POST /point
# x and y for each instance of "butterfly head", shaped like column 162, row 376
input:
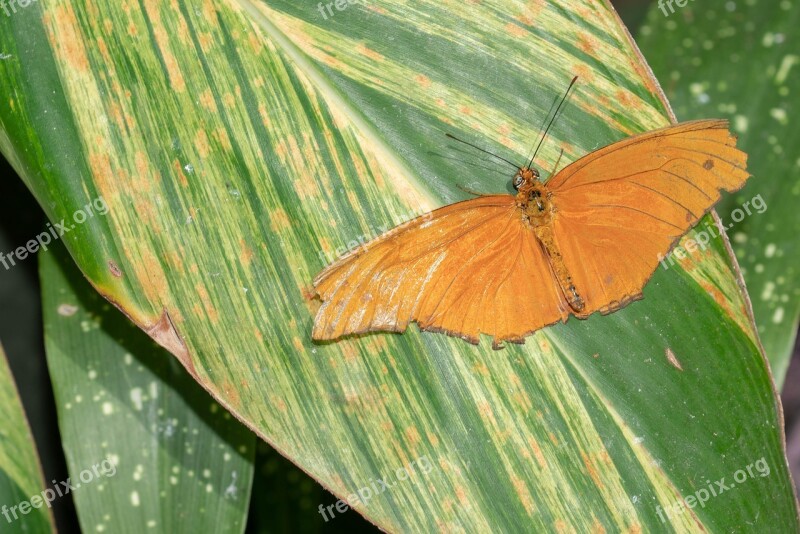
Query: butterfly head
column 525, row 176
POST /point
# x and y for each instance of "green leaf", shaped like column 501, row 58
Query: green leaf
column 238, row 146
column 20, row 472
column 145, row 445
column 737, row 61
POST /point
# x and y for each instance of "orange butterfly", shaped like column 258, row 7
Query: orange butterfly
column 586, row 240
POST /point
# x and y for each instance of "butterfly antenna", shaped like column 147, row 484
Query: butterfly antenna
column 555, row 168
column 482, row 150
column 544, row 123
column 544, row 135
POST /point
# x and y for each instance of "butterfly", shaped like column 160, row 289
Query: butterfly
column 586, row 240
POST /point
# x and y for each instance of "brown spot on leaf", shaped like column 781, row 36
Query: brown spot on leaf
column 229, row 100
column 515, row 30
column 245, row 253
column 279, row 220
column 100, row 164
column 221, row 136
column 626, row 99
column 206, row 100
column 207, row 306
column 480, row 368
column 64, row 33
column 590, row 467
column 412, row 436
column 423, row 80
column 584, row 72
column 708, row 165
column 180, row 172
column 366, row 51
column 206, row 40
column 587, row 43
column 231, row 394
column 537, row 453
column 201, row 143
column 114, row 268
column 278, row 403
column 461, row 495
column 531, row 12
column 523, row 494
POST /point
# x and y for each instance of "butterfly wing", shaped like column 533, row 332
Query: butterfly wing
column 464, row 269
column 621, row 209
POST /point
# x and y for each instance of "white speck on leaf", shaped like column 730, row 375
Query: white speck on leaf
column 67, row 310
column 136, row 398
column 230, row 491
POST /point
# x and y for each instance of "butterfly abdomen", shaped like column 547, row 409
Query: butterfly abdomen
column 544, row 234
column 537, row 210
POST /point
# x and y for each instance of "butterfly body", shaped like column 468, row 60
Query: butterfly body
column 537, row 211
column 587, row 240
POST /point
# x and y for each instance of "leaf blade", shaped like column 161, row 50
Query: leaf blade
column 229, row 249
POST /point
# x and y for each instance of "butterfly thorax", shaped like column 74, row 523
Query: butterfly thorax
column 533, row 198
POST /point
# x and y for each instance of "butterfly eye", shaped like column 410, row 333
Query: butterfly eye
column 517, row 181
column 535, row 173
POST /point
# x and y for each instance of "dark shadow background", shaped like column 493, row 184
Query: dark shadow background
column 284, row 498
